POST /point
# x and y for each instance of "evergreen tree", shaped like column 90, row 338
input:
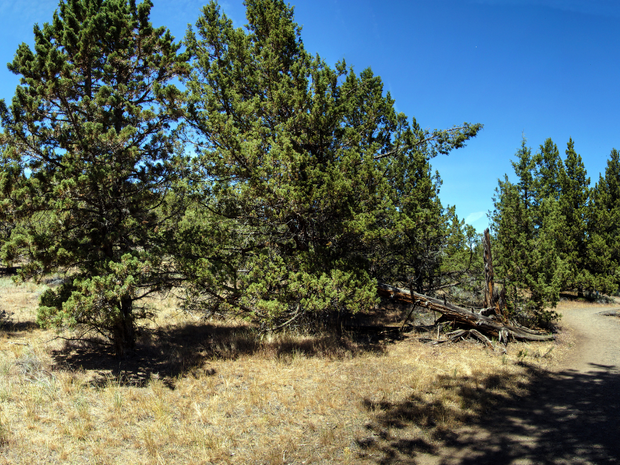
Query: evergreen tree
column 430, row 248
column 524, row 168
column 574, row 204
column 462, row 268
column 527, row 226
column 412, row 253
column 300, row 169
column 8, row 173
column 603, row 252
column 549, row 172
column 90, row 126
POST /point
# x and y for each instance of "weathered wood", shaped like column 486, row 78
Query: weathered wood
column 465, row 333
column 402, row 327
column 465, row 317
column 488, row 270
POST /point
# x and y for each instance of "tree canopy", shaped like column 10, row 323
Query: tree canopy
column 527, row 223
column 553, row 231
column 310, row 182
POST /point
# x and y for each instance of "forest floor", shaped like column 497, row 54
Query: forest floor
column 209, row 392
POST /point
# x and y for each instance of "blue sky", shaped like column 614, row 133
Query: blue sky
column 542, row 68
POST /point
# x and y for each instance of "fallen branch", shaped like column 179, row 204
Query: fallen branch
column 466, row 333
column 473, row 319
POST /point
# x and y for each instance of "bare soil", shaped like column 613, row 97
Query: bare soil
column 570, row 416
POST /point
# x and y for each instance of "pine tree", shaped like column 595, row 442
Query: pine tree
column 549, row 171
column 9, row 175
column 527, row 225
column 603, row 252
column 300, row 166
column 90, row 126
column 574, row 204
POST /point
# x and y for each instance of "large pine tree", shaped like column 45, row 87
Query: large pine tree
column 305, row 170
column 90, row 126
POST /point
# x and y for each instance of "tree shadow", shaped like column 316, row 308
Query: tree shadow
column 11, row 327
column 164, row 354
column 9, row 270
column 185, row 350
column 566, row 417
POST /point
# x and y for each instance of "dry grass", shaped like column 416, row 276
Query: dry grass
column 569, row 300
column 213, row 393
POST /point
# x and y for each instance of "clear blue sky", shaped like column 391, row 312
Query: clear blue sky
column 543, row 68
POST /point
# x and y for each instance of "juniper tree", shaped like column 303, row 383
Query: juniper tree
column 429, row 248
column 300, row 166
column 90, row 126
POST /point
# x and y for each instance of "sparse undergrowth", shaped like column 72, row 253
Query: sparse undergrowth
column 199, row 392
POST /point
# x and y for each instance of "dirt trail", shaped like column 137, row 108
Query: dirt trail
column 571, row 417
column 597, row 337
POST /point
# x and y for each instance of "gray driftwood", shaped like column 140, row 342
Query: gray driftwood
column 474, row 319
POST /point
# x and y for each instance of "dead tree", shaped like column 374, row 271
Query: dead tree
column 475, row 320
column 488, row 270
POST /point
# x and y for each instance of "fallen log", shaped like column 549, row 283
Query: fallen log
column 465, row 317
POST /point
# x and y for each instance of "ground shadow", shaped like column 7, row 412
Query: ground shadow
column 12, row 327
column 567, row 417
column 9, row 270
column 185, row 350
column 164, row 353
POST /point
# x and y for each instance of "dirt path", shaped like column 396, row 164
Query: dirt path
column 571, row 417
column 597, row 337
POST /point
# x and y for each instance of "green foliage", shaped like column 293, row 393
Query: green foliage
column 10, row 176
column 88, row 133
column 103, row 302
column 574, row 207
column 308, row 183
column 528, row 223
column 549, row 172
column 553, row 232
column 306, row 187
column 462, row 267
column 603, row 250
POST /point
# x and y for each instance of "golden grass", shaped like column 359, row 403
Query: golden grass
column 198, row 392
column 579, row 302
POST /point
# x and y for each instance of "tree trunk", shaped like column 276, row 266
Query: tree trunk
column 124, row 331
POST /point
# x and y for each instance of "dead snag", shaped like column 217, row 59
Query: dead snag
column 488, row 270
